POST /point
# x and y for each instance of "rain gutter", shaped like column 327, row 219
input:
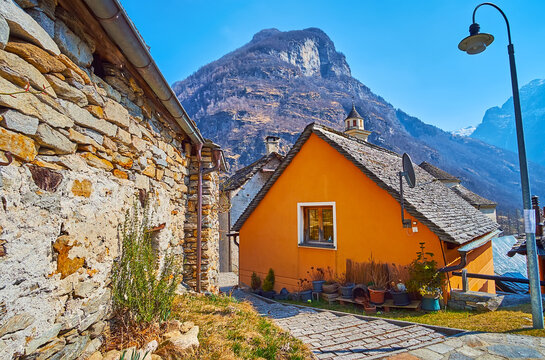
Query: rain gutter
column 464, row 250
column 124, row 34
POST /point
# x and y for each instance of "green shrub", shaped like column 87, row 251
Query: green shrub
column 268, row 283
column 142, row 287
column 423, row 275
column 255, row 281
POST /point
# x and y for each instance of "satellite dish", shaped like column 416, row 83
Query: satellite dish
column 408, row 174
column 408, row 170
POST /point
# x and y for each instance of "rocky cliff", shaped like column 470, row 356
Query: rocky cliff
column 281, row 81
column 498, row 125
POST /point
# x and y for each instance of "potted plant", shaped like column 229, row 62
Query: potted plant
column 378, row 273
column 268, row 285
column 305, row 290
column 330, row 286
column 317, row 276
column 255, row 282
column 426, row 280
column 398, row 290
column 346, row 286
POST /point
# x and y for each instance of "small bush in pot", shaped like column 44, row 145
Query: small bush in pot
column 330, row 286
column 317, row 276
column 399, row 275
column 305, row 290
column 255, row 282
column 425, row 279
column 268, row 284
column 378, row 273
column 346, row 286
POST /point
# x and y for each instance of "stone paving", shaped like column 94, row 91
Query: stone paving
column 333, row 336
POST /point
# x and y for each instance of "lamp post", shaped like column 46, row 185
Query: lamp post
column 476, row 43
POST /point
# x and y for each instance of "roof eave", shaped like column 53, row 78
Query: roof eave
column 124, row 34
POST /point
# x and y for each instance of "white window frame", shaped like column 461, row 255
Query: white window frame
column 301, row 225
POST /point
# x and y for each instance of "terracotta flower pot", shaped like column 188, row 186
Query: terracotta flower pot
column 376, row 296
column 370, row 309
column 330, row 288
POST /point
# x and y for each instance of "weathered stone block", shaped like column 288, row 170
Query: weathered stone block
column 19, row 145
column 120, row 174
column 41, row 18
column 71, row 45
column 124, row 136
column 21, row 73
column 16, row 323
column 84, row 118
column 37, row 57
column 97, row 162
column 19, row 122
column 4, row 32
column 116, row 113
column 66, row 265
column 25, row 27
column 29, row 104
column 48, row 335
column 67, row 92
column 49, row 137
column 82, row 188
column 70, row 64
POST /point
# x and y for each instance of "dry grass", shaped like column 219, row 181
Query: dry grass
column 228, row 329
column 516, row 320
column 234, row 330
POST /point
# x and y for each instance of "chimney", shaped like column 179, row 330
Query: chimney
column 539, row 223
column 272, row 144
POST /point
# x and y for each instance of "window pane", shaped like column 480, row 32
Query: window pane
column 327, row 214
column 313, row 225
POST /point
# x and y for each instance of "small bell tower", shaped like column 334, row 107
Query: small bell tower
column 354, row 125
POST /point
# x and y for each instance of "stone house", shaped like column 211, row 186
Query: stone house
column 89, row 126
column 487, row 207
column 237, row 193
column 335, row 199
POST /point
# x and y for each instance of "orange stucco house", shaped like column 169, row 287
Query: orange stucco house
column 336, row 197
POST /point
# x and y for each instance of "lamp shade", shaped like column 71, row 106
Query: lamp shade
column 475, row 44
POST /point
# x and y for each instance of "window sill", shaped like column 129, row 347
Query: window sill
column 318, row 246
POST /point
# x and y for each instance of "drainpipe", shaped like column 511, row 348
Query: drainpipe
column 216, row 158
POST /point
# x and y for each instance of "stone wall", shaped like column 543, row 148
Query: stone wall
column 210, row 226
column 84, row 149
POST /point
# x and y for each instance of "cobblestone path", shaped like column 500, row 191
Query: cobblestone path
column 347, row 337
column 331, row 336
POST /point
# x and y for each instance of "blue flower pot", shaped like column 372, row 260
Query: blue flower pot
column 430, row 304
column 317, row 286
column 346, row 291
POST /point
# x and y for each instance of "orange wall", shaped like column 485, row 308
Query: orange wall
column 368, row 221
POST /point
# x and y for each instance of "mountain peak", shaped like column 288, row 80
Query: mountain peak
column 265, row 33
column 310, row 50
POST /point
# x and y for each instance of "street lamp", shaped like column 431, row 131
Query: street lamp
column 476, row 43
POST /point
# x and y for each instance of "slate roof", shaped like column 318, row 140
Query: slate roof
column 450, row 217
column 241, row 176
column 354, row 113
column 438, row 173
column 471, row 197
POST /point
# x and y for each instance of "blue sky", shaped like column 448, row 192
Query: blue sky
column 405, row 51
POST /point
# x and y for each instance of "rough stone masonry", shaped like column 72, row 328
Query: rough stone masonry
column 83, row 148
